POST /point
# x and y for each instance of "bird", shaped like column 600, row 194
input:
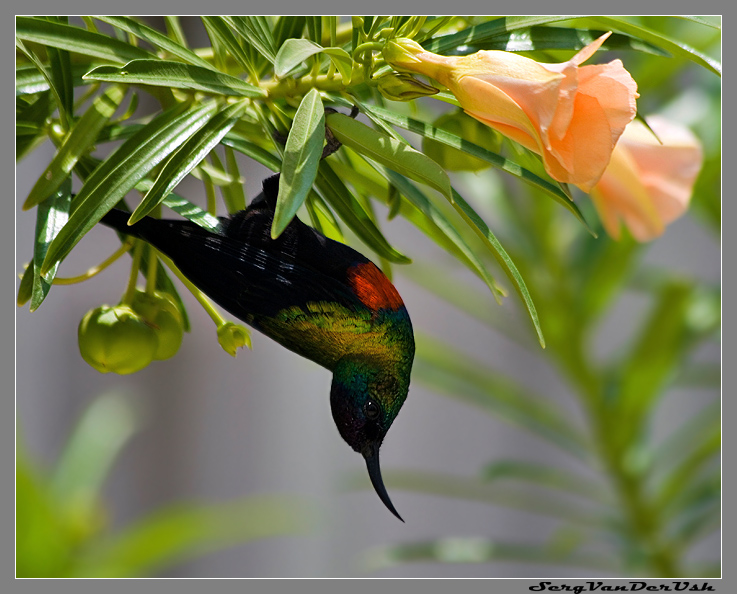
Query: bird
column 314, row 296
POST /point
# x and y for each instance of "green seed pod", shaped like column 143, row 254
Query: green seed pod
column 453, row 159
column 161, row 312
column 116, row 339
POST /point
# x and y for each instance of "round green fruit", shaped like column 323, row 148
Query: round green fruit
column 161, row 312
column 116, row 339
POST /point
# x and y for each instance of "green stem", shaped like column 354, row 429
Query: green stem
column 292, row 88
column 135, row 267
column 204, row 301
column 95, row 270
column 151, row 273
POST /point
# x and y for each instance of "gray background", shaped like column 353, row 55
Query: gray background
column 219, row 428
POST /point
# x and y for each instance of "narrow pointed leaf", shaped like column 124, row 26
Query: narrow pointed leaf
column 483, row 231
column 192, row 212
column 472, row 489
column 339, row 197
column 447, row 229
column 80, row 140
column 395, row 155
column 184, row 531
column 60, row 70
column 32, row 118
column 455, row 374
column 28, row 79
column 50, row 220
column 187, row 158
column 155, row 38
column 89, row 454
column 677, row 48
column 25, row 290
column 248, row 148
column 77, row 40
column 301, row 158
column 123, row 170
column 164, row 73
column 481, row 550
column 222, row 36
column 552, row 189
column 288, row 27
column 257, row 31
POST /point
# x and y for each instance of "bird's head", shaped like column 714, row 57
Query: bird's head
column 365, row 399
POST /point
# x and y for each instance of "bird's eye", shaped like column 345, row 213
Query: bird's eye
column 371, row 410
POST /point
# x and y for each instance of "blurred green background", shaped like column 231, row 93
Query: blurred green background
column 596, row 456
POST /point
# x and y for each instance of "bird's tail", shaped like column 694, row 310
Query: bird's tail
column 118, row 220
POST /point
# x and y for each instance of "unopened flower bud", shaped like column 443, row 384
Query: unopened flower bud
column 232, row 337
column 403, row 87
column 402, row 52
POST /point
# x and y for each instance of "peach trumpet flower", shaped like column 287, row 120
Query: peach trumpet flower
column 571, row 115
column 648, row 184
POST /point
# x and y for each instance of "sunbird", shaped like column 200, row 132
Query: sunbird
column 314, row 296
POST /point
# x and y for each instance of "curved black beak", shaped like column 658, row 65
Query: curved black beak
column 374, row 471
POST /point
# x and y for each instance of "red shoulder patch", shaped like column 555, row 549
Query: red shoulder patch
column 373, row 288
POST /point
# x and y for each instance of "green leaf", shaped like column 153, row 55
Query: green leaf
column 29, row 80
column 302, row 156
column 314, row 27
column 481, row 550
column 25, row 290
column 455, row 374
column 471, row 489
column 295, row 51
column 60, row 70
column 655, row 355
column 257, row 30
column 90, row 452
column 155, row 38
column 77, row 142
column 192, row 212
column 44, row 542
column 484, row 32
column 248, row 148
column 553, row 38
column 180, row 532
column 689, row 472
column 545, row 476
column 52, row 78
column 77, row 40
column 288, row 27
column 417, row 209
column 395, row 155
column 164, row 73
column 292, row 53
column 448, row 231
column 428, row 131
column 469, row 300
column 482, row 230
column 222, row 36
column 51, row 218
column 33, row 118
column 677, row 48
column 339, row 197
column 233, row 193
column 123, row 170
column 187, row 158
